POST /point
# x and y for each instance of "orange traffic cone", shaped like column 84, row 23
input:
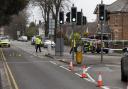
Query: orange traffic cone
column 99, row 82
column 84, row 75
column 71, row 66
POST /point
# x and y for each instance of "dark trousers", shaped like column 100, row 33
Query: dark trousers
column 75, row 50
column 38, row 47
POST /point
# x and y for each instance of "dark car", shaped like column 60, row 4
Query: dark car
column 124, row 67
column 105, row 50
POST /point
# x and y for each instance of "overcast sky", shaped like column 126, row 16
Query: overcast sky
column 87, row 6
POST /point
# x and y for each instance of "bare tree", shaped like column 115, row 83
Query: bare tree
column 9, row 8
column 57, row 5
column 51, row 7
column 17, row 24
column 45, row 8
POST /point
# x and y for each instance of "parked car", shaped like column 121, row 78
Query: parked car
column 49, row 42
column 33, row 40
column 105, row 50
column 23, row 38
column 124, row 66
column 4, row 42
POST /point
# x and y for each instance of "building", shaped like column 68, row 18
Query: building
column 117, row 24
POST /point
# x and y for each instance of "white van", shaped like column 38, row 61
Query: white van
column 23, row 38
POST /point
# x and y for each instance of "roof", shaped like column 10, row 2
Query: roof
column 118, row 6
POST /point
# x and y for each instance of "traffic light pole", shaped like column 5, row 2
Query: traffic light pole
column 101, row 41
column 102, row 17
column 73, row 50
column 73, row 19
column 60, row 40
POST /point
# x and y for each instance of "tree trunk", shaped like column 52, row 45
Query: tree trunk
column 56, row 21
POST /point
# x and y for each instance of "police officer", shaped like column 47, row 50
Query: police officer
column 38, row 43
column 73, row 46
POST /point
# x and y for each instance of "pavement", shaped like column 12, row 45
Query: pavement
column 88, row 58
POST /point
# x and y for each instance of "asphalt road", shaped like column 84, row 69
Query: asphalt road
column 32, row 72
column 110, row 68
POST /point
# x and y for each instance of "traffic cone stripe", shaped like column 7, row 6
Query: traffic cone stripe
column 99, row 82
column 100, row 78
column 84, row 75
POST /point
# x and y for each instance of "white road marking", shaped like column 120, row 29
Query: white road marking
column 105, row 87
column 91, row 78
column 65, row 68
column 89, row 75
column 53, row 62
column 88, row 68
column 83, row 78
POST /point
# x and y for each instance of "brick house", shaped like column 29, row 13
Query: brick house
column 117, row 25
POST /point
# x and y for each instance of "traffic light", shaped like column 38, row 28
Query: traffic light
column 73, row 14
column 79, row 18
column 68, row 17
column 107, row 15
column 61, row 17
column 101, row 12
column 84, row 20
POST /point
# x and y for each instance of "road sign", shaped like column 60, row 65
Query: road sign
column 51, row 26
column 18, row 33
column 52, row 23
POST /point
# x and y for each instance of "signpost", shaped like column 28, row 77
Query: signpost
column 51, row 26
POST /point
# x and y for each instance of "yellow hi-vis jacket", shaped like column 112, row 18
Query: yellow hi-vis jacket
column 38, row 41
column 73, row 44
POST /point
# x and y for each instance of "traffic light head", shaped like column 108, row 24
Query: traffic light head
column 101, row 12
column 84, row 20
column 68, row 17
column 73, row 14
column 107, row 15
column 61, row 17
column 79, row 18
